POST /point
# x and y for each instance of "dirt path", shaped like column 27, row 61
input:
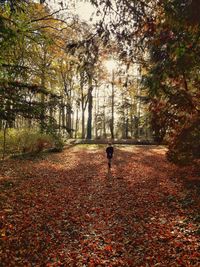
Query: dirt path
column 64, row 210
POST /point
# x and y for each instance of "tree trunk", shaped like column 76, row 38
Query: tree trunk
column 132, row 117
column 83, row 113
column 138, row 105
column 185, row 81
column 112, row 118
column 1, row 124
column 51, row 116
column 63, row 116
column 70, row 125
column 96, row 110
column 90, row 100
column 83, row 121
column 123, row 118
column 104, row 114
column 4, row 140
column 136, row 127
column 69, row 109
column 104, row 122
column 126, row 135
column 59, row 119
column 76, row 127
column 42, row 123
column 69, row 121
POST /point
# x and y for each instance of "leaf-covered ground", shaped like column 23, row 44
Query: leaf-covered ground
column 64, row 210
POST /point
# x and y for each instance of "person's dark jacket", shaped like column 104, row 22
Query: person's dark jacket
column 109, row 151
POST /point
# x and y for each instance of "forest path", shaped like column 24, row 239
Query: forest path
column 64, row 210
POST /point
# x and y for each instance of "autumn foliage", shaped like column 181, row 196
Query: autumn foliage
column 64, row 210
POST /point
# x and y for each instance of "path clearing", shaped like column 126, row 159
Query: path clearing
column 63, row 210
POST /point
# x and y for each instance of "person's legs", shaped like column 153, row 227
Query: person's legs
column 109, row 163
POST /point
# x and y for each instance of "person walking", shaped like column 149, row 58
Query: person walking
column 109, row 151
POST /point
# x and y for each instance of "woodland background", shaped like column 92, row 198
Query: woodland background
column 54, row 84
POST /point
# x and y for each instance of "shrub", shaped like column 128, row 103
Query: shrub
column 27, row 141
column 185, row 145
column 58, row 143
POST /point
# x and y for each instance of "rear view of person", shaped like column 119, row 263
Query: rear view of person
column 109, row 151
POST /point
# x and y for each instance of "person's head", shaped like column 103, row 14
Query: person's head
column 110, row 144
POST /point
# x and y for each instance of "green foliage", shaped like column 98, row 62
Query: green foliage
column 58, row 143
column 22, row 94
column 29, row 141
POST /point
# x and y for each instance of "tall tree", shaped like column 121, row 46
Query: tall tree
column 173, row 79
